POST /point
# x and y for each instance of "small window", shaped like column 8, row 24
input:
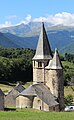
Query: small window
column 53, row 108
column 34, row 63
column 38, row 101
column 39, row 64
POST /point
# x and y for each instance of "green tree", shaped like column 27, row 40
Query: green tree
column 68, row 100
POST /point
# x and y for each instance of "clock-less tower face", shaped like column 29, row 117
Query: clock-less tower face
column 42, row 56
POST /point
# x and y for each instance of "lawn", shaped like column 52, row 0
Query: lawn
column 30, row 114
column 5, row 88
column 69, row 90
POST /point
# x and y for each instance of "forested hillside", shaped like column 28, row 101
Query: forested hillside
column 16, row 65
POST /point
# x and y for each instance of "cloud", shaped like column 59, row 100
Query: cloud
column 63, row 18
column 11, row 17
column 27, row 19
column 59, row 18
column 6, row 24
column 40, row 19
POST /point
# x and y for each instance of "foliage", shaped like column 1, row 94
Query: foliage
column 68, row 100
column 68, row 71
column 69, row 57
column 16, row 65
column 69, row 90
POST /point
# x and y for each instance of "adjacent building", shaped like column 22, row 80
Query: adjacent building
column 1, row 100
column 10, row 97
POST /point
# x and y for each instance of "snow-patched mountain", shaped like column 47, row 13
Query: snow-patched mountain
column 26, row 36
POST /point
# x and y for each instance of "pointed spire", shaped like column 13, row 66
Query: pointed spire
column 43, row 50
column 55, row 63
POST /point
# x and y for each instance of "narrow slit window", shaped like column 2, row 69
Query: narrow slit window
column 34, row 63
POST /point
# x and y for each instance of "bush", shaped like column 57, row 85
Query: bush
column 68, row 100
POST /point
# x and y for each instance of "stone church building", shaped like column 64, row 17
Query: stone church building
column 47, row 91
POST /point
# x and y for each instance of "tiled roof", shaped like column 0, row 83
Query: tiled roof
column 1, row 92
column 30, row 91
column 42, row 92
column 19, row 88
column 45, row 95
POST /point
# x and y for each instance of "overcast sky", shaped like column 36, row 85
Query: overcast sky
column 14, row 12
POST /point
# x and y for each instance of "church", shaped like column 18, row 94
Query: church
column 47, row 91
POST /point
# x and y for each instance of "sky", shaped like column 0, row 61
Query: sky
column 14, row 12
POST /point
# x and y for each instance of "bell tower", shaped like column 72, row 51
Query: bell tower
column 42, row 56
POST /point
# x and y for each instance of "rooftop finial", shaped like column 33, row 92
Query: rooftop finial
column 42, row 20
column 56, row 49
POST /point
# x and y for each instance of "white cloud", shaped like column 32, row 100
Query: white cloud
column 8, row 21
column 40, row 19
column 27, row 19
column 11, row 17
column 59, row 18
column 6, row 24
column 63, row 18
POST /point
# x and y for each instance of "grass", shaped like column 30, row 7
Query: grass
column 69, row 90
column 5, row 88
column 30, row 114
column 28, row 84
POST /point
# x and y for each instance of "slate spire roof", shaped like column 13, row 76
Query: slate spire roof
column 55, row 63
column 43, row 50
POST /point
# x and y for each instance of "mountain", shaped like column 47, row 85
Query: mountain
column 26, row 36
column 24, row 30
column 6, row 42
column 68, row 49
column 10, row 40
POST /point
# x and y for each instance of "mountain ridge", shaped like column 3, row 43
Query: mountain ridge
column 26, row 36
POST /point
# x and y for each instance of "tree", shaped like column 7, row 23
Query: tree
column 68, row 100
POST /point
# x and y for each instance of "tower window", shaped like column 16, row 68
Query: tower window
column 39, row 64
column 34, row 63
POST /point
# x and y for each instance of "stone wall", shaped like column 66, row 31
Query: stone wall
column 38, row 73
column 55, row 81
column 24, row 102
column 1, row 102
column 10, row 98
column 39, row 104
